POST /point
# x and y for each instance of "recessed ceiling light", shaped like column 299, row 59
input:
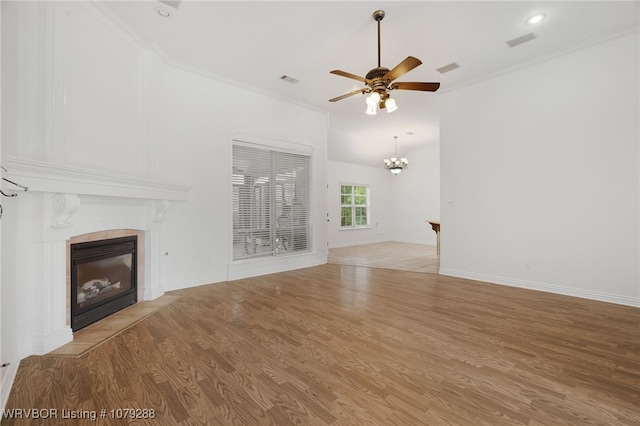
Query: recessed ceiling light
column 165, row 13
column 534, row 19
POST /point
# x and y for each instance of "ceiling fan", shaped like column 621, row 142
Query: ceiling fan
column 379, row 81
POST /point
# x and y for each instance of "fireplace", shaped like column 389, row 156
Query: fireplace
column 103, row 279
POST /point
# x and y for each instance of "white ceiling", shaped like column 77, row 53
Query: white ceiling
column 254, row 43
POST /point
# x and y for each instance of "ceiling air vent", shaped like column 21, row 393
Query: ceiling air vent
column 522, row 39
column 452, row 66
column 289, row 79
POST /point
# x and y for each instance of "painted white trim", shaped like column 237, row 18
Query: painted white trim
column 265, row 142
column 271, row 265
column 45, row 343
column 226, row 80
column 549, row 288
column 360, row 243
column 189, row 284
column 424, row 242
column 584, row 45
column 39, row 176
column 7, row 377
column 152, row 293
column 354, row 228
column 122, row 30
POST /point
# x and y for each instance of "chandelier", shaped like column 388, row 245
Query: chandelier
column 394, row 164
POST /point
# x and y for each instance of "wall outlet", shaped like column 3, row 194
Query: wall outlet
column 527, row 264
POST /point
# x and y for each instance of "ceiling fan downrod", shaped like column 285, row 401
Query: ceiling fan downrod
column 378, row 15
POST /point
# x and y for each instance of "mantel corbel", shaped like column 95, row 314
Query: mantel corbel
column 63, row 207
column 160, row 208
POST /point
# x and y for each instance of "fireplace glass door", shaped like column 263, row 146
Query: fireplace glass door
column 99, row 280
column 103, row 279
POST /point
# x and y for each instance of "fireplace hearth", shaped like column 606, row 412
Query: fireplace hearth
column 103, row 279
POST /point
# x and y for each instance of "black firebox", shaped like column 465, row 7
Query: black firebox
column 103, row 279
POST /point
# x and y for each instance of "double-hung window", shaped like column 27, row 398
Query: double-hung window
column 354, row 206
column 271, row 194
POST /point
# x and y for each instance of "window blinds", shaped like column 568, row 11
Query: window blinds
column 271, row 193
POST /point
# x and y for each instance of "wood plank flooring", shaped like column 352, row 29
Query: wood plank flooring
column 343, row 345
column 97, row 333
column 388, row 255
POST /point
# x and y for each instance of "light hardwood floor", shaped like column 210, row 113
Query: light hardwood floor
column 388, row 255
column 99, row 332
column 344, row 345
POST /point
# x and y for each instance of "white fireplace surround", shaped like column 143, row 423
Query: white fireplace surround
column 65, row 201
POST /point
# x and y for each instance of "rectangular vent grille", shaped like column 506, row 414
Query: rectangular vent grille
column 289, row 79
column 522, row 39
column 452, row 66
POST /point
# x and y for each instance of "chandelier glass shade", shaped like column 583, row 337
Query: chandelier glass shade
column 394, row 164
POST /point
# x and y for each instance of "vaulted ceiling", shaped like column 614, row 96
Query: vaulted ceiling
column 254, row 44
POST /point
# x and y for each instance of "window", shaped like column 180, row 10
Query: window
column 354, row 206
column 270, row 202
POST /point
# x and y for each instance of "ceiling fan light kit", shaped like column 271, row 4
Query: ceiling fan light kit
column 391, row 105
column 379, row 81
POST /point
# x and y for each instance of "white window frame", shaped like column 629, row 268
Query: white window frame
column 353, row 206
column 280, row 225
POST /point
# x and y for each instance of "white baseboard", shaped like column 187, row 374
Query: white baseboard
column 420, row 242
column 187, row 284
column 45, row 344
column 359, row 243
column 271, row 265
column 152, row 293
column 7, row 377
column 257, row 267
column 549, row 288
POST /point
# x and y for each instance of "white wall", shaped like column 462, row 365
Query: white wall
column 416, row 196
column 17, row 62
column 196, row 134
column 540, row 175
column 382, row 223
column 76, row 92
column 400, row 204
column 117, row 107
column 4, row 371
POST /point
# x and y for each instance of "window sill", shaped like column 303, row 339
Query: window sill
column 353, row 228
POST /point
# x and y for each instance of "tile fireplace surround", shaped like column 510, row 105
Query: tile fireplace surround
column 66, row 205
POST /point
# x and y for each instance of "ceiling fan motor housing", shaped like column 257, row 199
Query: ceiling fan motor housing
column 377, row 73
column 378, row 84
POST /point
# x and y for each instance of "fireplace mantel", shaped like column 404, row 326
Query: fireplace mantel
column 62, row 203
column 41, row 176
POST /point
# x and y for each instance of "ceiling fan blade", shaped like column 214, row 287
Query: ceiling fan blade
column 354, row 92
column 425, row 87
column 402, row 68
column 349, row 75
